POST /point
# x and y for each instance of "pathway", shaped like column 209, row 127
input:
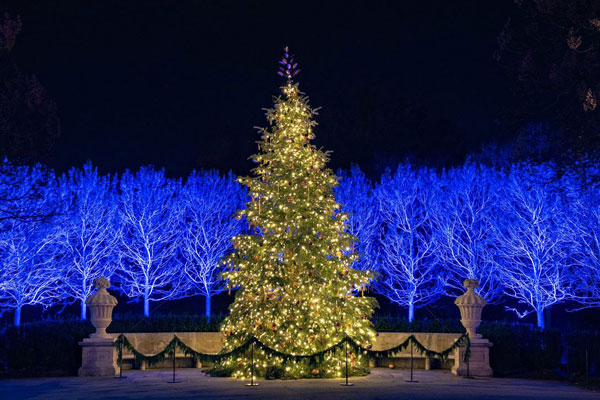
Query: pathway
column 381, row 384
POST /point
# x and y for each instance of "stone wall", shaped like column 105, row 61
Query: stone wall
column 432, row 341
column 152, row 343
column 212, row 342
column 99, row 357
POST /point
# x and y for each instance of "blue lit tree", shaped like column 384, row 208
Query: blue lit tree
column 466, row 222
column 583, row 226
column 20, row 193
column 411, row 274
column 356, row 195
column 210, row 202
column 532, row 242
column 89, row 231
column 150, row 240
column 29, row 270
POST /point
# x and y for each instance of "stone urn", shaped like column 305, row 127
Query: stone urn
column 470, row 305
column 101, row 305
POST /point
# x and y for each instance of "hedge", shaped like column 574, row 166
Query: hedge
column 50, row 348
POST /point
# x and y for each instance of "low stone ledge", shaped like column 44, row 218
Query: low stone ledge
column 212, row 342
column 99, row 358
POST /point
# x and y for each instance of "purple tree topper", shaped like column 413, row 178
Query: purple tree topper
column 287, row 65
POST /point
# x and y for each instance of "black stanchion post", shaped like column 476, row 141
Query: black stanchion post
column 587, row 370
column 468, row 372
column 252, row 383
column 468, row 360
column 120, row 359
column 411, row 360
column 173, row 356
column 347, row 383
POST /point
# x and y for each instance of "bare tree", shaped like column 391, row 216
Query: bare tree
column 29, row 126
column 210, row 202
column 151, row 239
column 356, row 195
column 89, row 230
column 533, row 258
column 583, row 229
column 411, row 273
column 466, row 226
column 29, row 270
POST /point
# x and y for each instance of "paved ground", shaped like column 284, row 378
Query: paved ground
column 381, row 384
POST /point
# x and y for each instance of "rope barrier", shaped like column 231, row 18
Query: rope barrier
column 122, row 341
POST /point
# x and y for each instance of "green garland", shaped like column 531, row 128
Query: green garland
column 123, row 342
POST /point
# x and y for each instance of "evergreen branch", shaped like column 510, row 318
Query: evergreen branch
column 319, row 356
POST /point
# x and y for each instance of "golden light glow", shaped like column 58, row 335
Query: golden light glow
column 298, row 292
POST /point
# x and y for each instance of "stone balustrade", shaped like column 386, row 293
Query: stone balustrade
column 100, row 357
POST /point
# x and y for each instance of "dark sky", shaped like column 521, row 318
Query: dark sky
column 181, row 84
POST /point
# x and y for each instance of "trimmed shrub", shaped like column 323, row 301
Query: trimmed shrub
column 523, row 350
column 165, row 323
column 577, row 344
column 395, row 324
column 47, row 348
column 519, row 350
column 50, row 348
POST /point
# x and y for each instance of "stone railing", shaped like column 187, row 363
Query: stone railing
column 100, row 359
column 152, row 343
column 433, row 341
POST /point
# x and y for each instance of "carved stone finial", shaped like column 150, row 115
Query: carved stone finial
column 471, row 283
column 101, row 305
column 101, row 283
column 470, row 305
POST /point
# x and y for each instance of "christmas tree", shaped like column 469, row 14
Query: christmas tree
column 297, row 291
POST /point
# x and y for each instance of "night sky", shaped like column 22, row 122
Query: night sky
column 181, row 84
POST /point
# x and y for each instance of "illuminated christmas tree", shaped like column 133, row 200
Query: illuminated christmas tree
column 297, row 291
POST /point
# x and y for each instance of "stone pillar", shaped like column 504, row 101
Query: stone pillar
column 470, row 305
column 98, row 356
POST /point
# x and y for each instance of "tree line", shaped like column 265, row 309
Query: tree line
column 157, row 238
column 522, row 232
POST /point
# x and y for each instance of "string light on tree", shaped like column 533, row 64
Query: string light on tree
column 298, row 292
